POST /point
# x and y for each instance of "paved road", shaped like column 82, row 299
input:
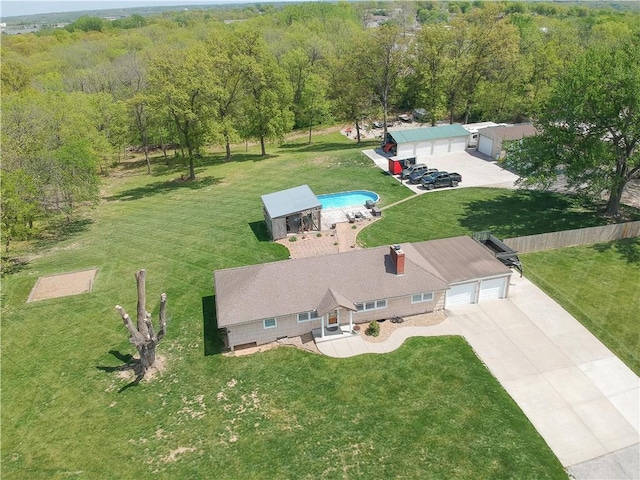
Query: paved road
column 582, row 399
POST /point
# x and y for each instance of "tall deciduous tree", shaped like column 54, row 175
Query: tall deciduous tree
column 590, row 128
column 267, row 103
column 182, row 85
column 382, row 61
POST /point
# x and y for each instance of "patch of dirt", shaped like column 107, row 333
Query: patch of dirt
column 63, row 285
column 157, row 368
column 173, row 454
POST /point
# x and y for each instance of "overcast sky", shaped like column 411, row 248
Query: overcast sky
column 12, row 8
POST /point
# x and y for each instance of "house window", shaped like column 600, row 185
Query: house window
column 307, row 316
column 422, row 297
column 269, row 323
column 375, row 305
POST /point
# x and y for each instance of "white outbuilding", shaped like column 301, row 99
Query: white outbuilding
column 423, row 142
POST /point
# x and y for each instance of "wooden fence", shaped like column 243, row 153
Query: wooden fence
column 569, row 238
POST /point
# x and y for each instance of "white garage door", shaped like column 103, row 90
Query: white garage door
column 492, row 289
column 485, row 145
column 463, row 294
column 440, row 146
column 405, row 150
column 459, row 144
column 423, row 149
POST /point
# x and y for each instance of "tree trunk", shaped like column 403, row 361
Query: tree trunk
column 615, row 195
column 310, row 126
column 264, row 151
column 227, row 146
column 142, row 335
column 357, row 131
column 146, row 157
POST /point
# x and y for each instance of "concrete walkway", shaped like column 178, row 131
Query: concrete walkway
column 582, row 399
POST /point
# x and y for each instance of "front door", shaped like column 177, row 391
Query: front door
column 332, row 319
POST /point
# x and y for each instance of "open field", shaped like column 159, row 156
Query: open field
column 599, row 285
column 428, row 410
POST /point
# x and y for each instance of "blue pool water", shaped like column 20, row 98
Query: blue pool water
column 347, row 199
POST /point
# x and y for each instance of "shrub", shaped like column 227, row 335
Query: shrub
column 293, row 239
column 318, row 235
column 373, row 330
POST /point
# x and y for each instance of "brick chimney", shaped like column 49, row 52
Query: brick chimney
column 397, row 257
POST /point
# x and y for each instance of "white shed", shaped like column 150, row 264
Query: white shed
column 490, row 139
column 423, row 142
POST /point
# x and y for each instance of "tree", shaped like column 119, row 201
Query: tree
column 181, row 84
column 314, row 107
column 142, row 334
column 382, row 62
column 19, row 205
column 590, row 128
column 267, row 104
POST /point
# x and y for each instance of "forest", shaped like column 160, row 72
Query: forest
column 77, row 100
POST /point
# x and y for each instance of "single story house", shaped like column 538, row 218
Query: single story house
column 423, row 142
column 490, row 139
column 261, row 303
column 291, row 211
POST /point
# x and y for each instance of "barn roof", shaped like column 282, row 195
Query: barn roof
column 292, row 200
column 428, row 133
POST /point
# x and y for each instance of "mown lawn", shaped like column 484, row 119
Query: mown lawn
column 600, row 286
column 428, row 410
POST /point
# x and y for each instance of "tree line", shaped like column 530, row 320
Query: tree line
column 74, row 99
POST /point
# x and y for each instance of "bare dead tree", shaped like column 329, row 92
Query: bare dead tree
column 142, row 334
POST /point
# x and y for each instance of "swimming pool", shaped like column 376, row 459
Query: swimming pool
column 347, row 199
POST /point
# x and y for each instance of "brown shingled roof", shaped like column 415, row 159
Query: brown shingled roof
column 281, row 288
column 274, row 289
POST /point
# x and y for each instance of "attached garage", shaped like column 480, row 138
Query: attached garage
column 473, row 272
column 463, row 294
column 492, row 289
column 427, row 141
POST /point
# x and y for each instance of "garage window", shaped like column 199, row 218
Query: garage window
column 422, row 297
column 269, row 323
column 375, row 305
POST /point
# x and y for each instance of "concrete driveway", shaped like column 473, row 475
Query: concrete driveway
column 477, row 170
column 582, row 399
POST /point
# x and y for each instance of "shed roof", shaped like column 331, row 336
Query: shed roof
column 274, row 289
column 428, row 133
column 509, row 132
column 292, row 200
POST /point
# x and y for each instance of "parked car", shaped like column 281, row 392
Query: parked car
column 441, row 179
column 404, row 118
column 416, row 177
column 376, row 124
column 419, row 115
column 411, row 169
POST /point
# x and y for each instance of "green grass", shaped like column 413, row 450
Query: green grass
column 506, row 213
column 599, row 285
column 428, row 410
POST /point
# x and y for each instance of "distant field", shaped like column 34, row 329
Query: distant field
column 428, row 410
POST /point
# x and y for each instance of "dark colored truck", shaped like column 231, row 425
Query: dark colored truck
column 501, row 250
column 441, row 179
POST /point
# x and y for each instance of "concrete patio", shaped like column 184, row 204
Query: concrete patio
column 582, row 399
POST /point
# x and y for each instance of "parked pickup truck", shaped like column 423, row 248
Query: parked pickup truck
column 501, row 250
column 441, row 179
